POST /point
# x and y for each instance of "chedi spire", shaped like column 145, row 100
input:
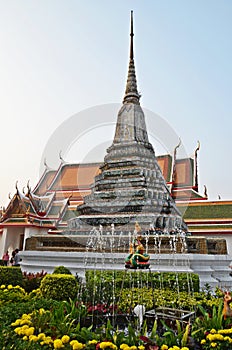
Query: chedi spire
column 131, row 93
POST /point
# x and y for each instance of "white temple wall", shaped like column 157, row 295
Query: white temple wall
column 11, row 238
column 3, row 247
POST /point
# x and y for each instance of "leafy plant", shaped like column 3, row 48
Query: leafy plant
column 207, row 321
column 31, row 281
column 62, row 270
column 59, row 287
column 11, row 275
column 9, row 294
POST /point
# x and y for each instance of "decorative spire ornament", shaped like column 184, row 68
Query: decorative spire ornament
column 131, row 93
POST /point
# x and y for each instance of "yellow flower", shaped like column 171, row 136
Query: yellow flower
column 106, row 344
column 213, row 345
column 47, row 340
column 184, row 348
column 33, row 338
column 29, row 331
column 73, row 342
column 164, row 347
column 94, row 341
column 124, row 346
column 58, row 344
column 3, row 286
column 76, row 345
column 17, row 330
column 10, row 286
column 176, row 347
column 141, row 347
column 210, row 337
column 21, row 331
column 65, row 339
column 227, row 338
column 25, row 337
column 16, row 323
column 225, row 331
column 41, row 336
column 25, row 326
column 25, row 321
column 219, row 337
column 133, row 347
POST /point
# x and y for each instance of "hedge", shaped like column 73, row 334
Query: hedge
column 11, row 275
column 59, row 287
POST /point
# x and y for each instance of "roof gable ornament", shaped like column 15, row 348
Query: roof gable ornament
column 16, row 187
column 131, row 93
column 174, row 162
column 61, row 158
column 46, row 164
column 196, row 166
column 28, row 187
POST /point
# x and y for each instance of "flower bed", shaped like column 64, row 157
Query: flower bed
column 33, row 321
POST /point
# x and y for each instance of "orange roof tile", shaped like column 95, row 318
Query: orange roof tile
column 184, row 172
column 74, row 176
column 165, row 164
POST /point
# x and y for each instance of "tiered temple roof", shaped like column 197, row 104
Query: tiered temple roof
column 208, row 217
column 33, row 210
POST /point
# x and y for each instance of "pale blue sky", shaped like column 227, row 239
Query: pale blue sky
column 60, row 57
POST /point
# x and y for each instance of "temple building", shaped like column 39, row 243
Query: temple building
column 131, row 184
column 47, row 208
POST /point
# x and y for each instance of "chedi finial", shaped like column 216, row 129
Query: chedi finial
column 131, row 93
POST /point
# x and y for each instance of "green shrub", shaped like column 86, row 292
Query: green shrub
column 176, row 281
column 153, row 298
column 103, row 284
column 11, row 275
column 59, row 287
column 62, row 270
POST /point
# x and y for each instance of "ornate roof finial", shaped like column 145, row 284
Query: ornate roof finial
column 196, row 166
column 131, row 40
column 61, row 158
column 177, row 146
column 205, row 192
column 45, row 164
column 131, row 93
column 28, row 187
column 174, row 162
column 198, row 146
